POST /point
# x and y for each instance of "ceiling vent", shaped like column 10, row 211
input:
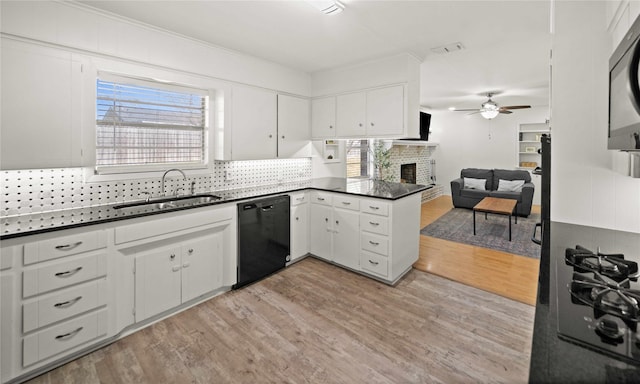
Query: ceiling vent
column 453, row 47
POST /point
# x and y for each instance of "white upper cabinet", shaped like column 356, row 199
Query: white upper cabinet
column 264, row 125
column 385, row 111
column 41, row 98
column 374, row 113
column 253, row 124
column 350, row 114
column 323, row 117
column 294, row 133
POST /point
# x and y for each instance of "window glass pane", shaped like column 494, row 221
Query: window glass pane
column 357, row 158
column 140, row 125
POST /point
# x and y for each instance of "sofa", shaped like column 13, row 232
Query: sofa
column 502, row 183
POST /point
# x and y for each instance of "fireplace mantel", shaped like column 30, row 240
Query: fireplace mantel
column 414, row 143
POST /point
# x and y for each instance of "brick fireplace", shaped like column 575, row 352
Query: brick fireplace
column 414, row 164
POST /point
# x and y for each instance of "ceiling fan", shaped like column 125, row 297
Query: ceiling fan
column 490, row 109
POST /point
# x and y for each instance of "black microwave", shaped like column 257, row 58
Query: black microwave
column 624, row 93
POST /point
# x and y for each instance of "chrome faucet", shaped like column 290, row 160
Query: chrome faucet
column 184, row 177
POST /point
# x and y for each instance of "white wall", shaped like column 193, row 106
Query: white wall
column 391, row 70
column 470, row 141
column 79, row 27
column 584, row 188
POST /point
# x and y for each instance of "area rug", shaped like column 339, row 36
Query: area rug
column 493, row 233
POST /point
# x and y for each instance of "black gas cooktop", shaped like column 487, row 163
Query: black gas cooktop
column 599, row 302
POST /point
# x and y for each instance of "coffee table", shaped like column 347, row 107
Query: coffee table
column 495, row 205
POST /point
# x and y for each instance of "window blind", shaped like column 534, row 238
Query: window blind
column 142, row 123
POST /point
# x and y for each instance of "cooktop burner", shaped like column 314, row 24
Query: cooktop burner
column 599, row 302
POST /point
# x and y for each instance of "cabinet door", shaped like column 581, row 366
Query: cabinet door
column 294, row 134
column 41, row 95
column 299, row 230
column 320, row 230
column 385, row 111
column 323, row 117
column 253, row 124
column 201, row 266
column 346, row 241
column 350, row 115
column 157, row 281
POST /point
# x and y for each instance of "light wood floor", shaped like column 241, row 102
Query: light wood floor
column 505, row 274
column 317, row 323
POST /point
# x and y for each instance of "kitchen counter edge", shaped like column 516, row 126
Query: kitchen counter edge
column 228, row 196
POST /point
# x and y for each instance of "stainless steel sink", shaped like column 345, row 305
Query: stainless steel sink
column 167, row 203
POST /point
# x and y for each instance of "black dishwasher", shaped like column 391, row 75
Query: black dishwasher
column 263, row 238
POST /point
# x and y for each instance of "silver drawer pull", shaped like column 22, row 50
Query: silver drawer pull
column 373, row 242
column 68, row 247
column 300, row 198
column 320, row 198
column 68, row 303
column 346, row 203
column 68, row 273
column 374, row 262
column 69, row 335
column 374, row 208
column 375, row 224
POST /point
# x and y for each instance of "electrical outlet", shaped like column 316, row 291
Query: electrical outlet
column 228, row 176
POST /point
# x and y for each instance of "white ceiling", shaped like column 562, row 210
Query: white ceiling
column 507, row 42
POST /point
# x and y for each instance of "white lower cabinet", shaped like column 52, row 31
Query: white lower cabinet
column 334, row 227
column 169, row 276
column 55, row 294
column 69, row 291
column 299, row 225
column 321, row 234
column 377, row 237
column 345, row 238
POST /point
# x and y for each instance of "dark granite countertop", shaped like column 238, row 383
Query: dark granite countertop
column 35, row 223
column 554, row 360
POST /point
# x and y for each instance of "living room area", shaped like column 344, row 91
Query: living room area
column 470, row 141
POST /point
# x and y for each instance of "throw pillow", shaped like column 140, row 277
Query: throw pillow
column 510, row 185
column 471, row 183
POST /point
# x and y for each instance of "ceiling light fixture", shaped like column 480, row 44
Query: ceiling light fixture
column 328, row 7
column 489, row 110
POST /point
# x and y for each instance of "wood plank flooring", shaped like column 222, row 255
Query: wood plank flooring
column 317, row 323
column 505, row 274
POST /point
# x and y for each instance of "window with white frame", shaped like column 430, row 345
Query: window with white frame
column 357, row 158
column 141, row 124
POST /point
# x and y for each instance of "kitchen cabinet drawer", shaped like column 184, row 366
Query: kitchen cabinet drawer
column 321, row 198
column 375, row 264
column 374, row 243
column 374, row 224
column 63, row 273
column 299, row 198
column 63, row 246
column 374, row 207
column 346, row 202
column 59, row 338
column 63, row 305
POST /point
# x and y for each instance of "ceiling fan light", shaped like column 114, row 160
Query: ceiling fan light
column 489, row 113
column 490, row 106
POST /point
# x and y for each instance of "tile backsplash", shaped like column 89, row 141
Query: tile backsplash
column 43, row 190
